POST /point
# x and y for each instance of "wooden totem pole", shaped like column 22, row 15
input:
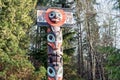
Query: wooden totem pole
column 54, row 19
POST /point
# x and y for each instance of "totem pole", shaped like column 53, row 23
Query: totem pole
column 54, row 19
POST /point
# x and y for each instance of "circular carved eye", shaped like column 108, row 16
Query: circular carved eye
column 51, row 71
column 52, row 15
column 51, row 38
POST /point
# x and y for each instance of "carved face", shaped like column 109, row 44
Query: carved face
column 55, row 16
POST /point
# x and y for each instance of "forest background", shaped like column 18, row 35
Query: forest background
column 91, row 50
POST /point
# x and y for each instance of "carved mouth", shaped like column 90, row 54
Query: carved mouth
column 56, row 20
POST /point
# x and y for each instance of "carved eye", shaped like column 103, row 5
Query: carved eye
column 51, row 71
column 59, row 15
column 51, row 38
column 52, row 14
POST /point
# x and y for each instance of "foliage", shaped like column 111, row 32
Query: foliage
column 112, row 61
column 113, row 64
column 43, row 2
column 70, row 69
column 15, row 21
column 40, row 74
column 68, row 41
column 18, row 62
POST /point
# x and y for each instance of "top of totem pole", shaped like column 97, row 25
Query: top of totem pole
column 55, row 16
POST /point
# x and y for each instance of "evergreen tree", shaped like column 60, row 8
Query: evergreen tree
column 15, row 21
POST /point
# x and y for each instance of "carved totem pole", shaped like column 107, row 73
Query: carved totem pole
column 54, row 19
